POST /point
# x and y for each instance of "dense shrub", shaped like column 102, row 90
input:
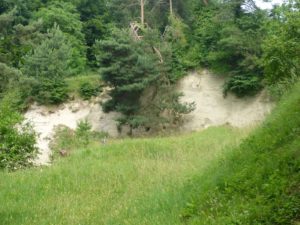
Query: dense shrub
column 88, row 90
column 66, row 16
column 131, row 68
column 281, row 58
column 17, row 142
column 50, row 91
column 7, row 74
column 229, row 41
column 242, row 85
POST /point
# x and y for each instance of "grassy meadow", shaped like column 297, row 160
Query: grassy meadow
column 123, row 182
column 220, row 176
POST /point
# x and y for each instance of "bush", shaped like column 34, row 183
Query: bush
column 242, row 85
column 281, row 58
column 17, row 142
column 7, row 74
column 83, row 131
column 50, row 91
column 69, row 140
column 87, row 90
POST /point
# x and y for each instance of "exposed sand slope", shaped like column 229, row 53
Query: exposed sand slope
column 44, row 121
column 212, row 108
column 204, row 89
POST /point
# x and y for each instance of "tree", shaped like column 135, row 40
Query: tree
column 49, row 63
column 96, row 21
column 7, row 74
column 52, row 58
column 132, row 68
column 127, row 69
column 281, row 47
column 229, row 41
column 66, row 16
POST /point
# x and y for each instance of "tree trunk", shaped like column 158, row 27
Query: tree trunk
column 142, row 13
column 171, row 7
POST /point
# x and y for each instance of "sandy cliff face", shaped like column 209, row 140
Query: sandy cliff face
column 205, row 89
column 45, row 119
column 212, row 109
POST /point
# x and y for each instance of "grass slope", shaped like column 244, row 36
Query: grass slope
column 257, row 183
column 126, row 182
column 192, row 179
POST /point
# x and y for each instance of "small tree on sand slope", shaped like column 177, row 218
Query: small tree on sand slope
column 131, row 67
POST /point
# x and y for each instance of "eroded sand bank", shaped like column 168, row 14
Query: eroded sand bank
column 205, row 89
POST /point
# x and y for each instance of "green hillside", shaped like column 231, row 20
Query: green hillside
column 201, row 178
column 120, row 67
column 258, row 182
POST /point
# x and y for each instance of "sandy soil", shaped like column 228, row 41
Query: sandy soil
column 44, row 121
column 205, row 89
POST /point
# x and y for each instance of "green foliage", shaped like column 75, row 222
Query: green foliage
column 242, row 85
column 49, row 91
column 17, row 142
column 259, row 182
column 164, row 109
column 131, row 67
column 127, row 67
column 51, row 59
column 83, row 131
column 281, row 59
column 175, row 36
column 7, row 75
column 133, row 176
column 96, row 24
column 281, row 87
column 229, row 41
column 48, row 65
column 66, row 16
column 88, row 90
column 68, row 140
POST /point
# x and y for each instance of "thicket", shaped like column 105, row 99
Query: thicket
column 254, row 47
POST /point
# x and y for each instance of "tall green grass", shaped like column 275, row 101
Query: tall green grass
column 210, row 177
column 258, row 182
column 123, row 182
